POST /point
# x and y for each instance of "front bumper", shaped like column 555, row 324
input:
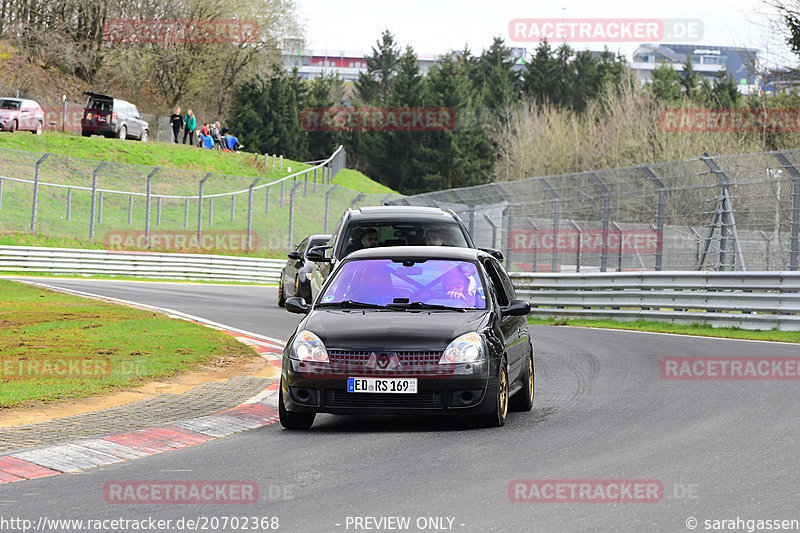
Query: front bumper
column 441, row 389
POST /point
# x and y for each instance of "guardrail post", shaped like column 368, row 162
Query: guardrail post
column 250, row 213
column 356, row 199
column 598, row 183
column 659, row 214
column 556, row 219
column 794, row 246
column 291, row 213
column 36, row 191
column 69, row 202
column 327, row 200
column 147, row 206
column 94, row 200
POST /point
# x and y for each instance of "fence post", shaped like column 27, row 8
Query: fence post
column 69, row 202
column 578, row 252
column 385, row 198
column 147, row 207
column 794, row 246
column 268, row 187
column 291, row 212
column 283, row 183
column 510, row 217
column 100, row 209
column 200, row 207
column 535, row 248
column 250, row 213
column 619, row 254
column 186, row 212
column 233, row 205
column 659, row 214
column 315, row 180
column 210, row 211
column 327, row 199
column 274, row 159
column 130, row 208
column 94, row 200
column 494, row 229
column 556, row 219
column 36, row 191
column 356, row 199
column 598, row 183
column 158, row 211
column 305, row 184
column 1, row 194
column 726, row 215
column 282, row 169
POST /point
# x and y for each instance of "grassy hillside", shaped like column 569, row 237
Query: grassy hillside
column 182, row 167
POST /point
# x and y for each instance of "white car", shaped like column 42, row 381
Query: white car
column 20, row 114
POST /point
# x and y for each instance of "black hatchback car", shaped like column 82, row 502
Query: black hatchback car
column 410, row 330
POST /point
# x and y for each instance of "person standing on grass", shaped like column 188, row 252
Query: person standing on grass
column 176, row 121
column 190, row 125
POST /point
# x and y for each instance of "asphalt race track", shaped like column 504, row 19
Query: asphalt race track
column 722, row 450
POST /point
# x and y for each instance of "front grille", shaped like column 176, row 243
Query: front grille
column 421, row 400
column 360, row 358
column 346, row 357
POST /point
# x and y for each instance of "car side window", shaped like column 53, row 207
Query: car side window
column 496, row 282
column 302, row 246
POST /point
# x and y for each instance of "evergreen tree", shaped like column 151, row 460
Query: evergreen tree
column 689, row 79
column 666, row 85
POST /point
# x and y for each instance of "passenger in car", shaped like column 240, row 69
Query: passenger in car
column 368, row 239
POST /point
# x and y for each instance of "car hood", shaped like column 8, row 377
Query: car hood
column 392, row 330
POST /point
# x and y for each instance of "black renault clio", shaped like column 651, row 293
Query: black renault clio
column 410, row 330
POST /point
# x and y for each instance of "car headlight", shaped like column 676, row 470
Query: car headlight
column 308, row 276
column 467, row 348
column 308, row 347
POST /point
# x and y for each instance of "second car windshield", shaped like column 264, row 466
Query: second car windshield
column 385, row 282
column 9, row 104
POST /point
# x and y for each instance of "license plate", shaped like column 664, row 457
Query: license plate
column 382, row 385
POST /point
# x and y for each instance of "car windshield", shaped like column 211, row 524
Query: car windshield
column 407, row 284
column 9, row 104
column 366, row 235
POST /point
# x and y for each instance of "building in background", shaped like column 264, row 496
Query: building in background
column 707, row 61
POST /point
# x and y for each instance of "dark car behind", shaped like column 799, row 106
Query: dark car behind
column 295, row 277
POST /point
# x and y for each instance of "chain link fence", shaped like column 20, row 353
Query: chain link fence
column 724, row 213
column 121, row 206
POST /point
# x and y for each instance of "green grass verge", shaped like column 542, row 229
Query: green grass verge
column 58, row 227
column 668, row 327
column 55, row 346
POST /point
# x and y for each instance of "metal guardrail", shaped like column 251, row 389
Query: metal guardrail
column 197, row 267
column 749, row 300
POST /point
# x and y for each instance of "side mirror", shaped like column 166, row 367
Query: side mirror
column 295, row 256
column 296, row 304
column 317, row 254
column 514, row 308
column 497, row 254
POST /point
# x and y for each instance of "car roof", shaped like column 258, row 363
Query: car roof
column 323, row 236
column 418, row 252
column 12, row 99
column 400, row 213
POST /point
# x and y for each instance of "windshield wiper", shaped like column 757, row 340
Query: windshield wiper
column 423, row 305
column 350, row 304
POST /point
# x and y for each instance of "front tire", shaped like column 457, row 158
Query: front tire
column 39, row 128
column 145, row 136
column 13, row 127
column 293, row 420
column 498, row 417
column 523, row 399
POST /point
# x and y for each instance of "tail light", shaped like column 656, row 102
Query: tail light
column 113, row 117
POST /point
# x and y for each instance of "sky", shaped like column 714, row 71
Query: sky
column 436, row 26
